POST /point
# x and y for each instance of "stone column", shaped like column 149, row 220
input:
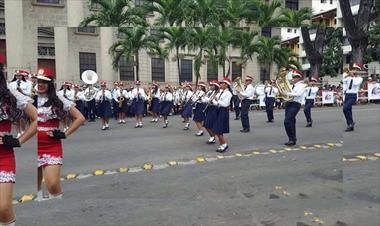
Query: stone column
column 107, row 72
column 61, row 54
column 75, row 13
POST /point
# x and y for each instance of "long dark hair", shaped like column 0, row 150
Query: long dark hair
column 54, row 101
column 14, row 78
column 7, row 98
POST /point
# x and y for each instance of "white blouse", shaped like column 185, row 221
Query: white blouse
column 21, row 103
column 46, row 113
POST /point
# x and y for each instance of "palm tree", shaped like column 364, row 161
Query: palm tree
column 235, row 11
column 133, row 40
column 115, row 13
column 248, row 45
column 203, row 12
column 269, row 51
column 264, row 14
column 176, row 39
column 170, row 11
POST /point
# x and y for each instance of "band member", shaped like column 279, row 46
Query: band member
column 115, row 103
column 270, row 98
column 236, row 103
column 89, row 94
column 187, row 105
column 52, row 107
column 103, row 99
column 155, row 101
column 247, row 98
column 222, row 122
column 166, row 104
column 121, row 97
column 67, row 93
column 78, row 98
column 20, row 84
column 211, row 110
column 12, row 103
column 139, row 97
column 351, row 85
column 199, row 115
column 293, row 106
column 310, row 95
column 177, row 100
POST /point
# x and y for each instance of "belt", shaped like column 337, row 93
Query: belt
column 46, row 129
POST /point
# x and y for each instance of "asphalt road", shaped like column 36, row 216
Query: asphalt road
column 272, row 189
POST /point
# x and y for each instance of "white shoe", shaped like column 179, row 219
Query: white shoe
column 107, row 126
column 64, row 129
column 40, row 197
column 60, row 196
column 18, row 135
column 103, row 127
column 153, row 120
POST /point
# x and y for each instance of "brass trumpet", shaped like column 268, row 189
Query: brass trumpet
column 121, row 98
column 283, row 85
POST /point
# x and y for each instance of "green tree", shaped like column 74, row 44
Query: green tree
column 132, row 41
column 333, row 52
column 170, row 11
column 115, row 13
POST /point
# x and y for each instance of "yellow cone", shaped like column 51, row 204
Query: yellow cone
column 98, row 172
column 148, row 166
column 201, row 159
column 26, row 198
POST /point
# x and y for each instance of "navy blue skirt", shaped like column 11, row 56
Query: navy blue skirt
column 166, row 107
column 104, row 109
column 199, row 115
column 125, row 107
column 222, row 122
column 211, row 114
column 115, row 107
column 79, row 104
column 187, row 110
column 155, row 105
column 138, row 107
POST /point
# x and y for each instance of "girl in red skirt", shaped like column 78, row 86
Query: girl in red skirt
column 51, row 109
column 12, row 104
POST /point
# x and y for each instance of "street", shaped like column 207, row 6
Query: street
column 258, row 182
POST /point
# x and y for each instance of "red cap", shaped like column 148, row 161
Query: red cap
column 297, row 73
column 116, row 83
column 67, row 83
column 76, row 85
column 21, row 72
column 226, row 80
column 202, row 83
column 248, row 77
column 357, row 66
column 137, row 83
column 314, row 79
column 189, row 85
column 215, row 83
column 120, row 83
column 45, row 74
column 2, row 59
column 103, row 83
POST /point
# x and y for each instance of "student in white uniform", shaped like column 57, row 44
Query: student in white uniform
column 166, row 104
column 103, row 98
column 247, row 98
column 68, row 94
column 310, row 95
column 139, row 97
column 270, row 98
column 351, row 87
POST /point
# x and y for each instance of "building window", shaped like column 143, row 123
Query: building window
column 266, row 31
column 292, row 4
column 158, row 69
column 87, row 61
column 126, row 70
column 289, row 30
column 237, row 70
column 48, row 1
column 331, row 2
column 46, row 51
column 2, row 28
column 212, row 71
column 90, row 30
column 186, row 71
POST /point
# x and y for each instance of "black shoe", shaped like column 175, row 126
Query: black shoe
column 165, row 126
column 186, row 128
column 270, row 121
column 137, row 126
column 244, row 130
column 222, row 150
column 290, row 143
column 199, row 134
column 237, row 118
column 349, row 129
column 309, row 125
column 211, row 142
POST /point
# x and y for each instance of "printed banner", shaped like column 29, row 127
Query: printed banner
column 327, row 97
column 374, row 91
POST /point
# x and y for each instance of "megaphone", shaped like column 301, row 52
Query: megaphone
column 89, row 77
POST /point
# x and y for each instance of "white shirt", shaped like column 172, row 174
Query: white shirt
column 87, row 91
column 139, row 91
column 248, row 92
column 356, row 82
column 107, row 95
column 198, row 94
column 69, row 94
column 157, row 94
column 224, row 98
column 25, row 86
column 298, row 91
column 313, row 90
column 168, row 96
column 271, row 91
column 208, row 96
column 117, row 94
column 187, row 95
column 79, row 95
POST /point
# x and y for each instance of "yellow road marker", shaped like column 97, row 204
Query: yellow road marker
column 272, row 151
column 278, row 188
column 331, row 144
column 71, row 176
column 201, row 159
column 361, row 157
column 220, row 157
column 287, row 149
column 238, row 155
column 318, row 146
column 98, row 172
column 318, row 220
column 377, row 154
column 307, row 213
column 303, row 147
column 172, row 163
column 26, row 198
column 344, row 159
column 256, row 153
column 123, row 169
column 148, row 166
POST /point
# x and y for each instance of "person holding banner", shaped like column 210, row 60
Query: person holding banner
column 351, row 85
column 310, row 94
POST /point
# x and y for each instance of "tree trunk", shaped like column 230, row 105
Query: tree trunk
column 357, row 28
column 224, row 68
column 178, row 66
column 137, row 66
column 314, row 52
column 229, row 69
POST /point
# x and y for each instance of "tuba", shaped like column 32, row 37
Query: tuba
column 238, row 84
column 283, row 85
column 90, row 77
column 121, row 98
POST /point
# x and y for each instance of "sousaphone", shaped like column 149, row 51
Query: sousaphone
column 89, row 77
